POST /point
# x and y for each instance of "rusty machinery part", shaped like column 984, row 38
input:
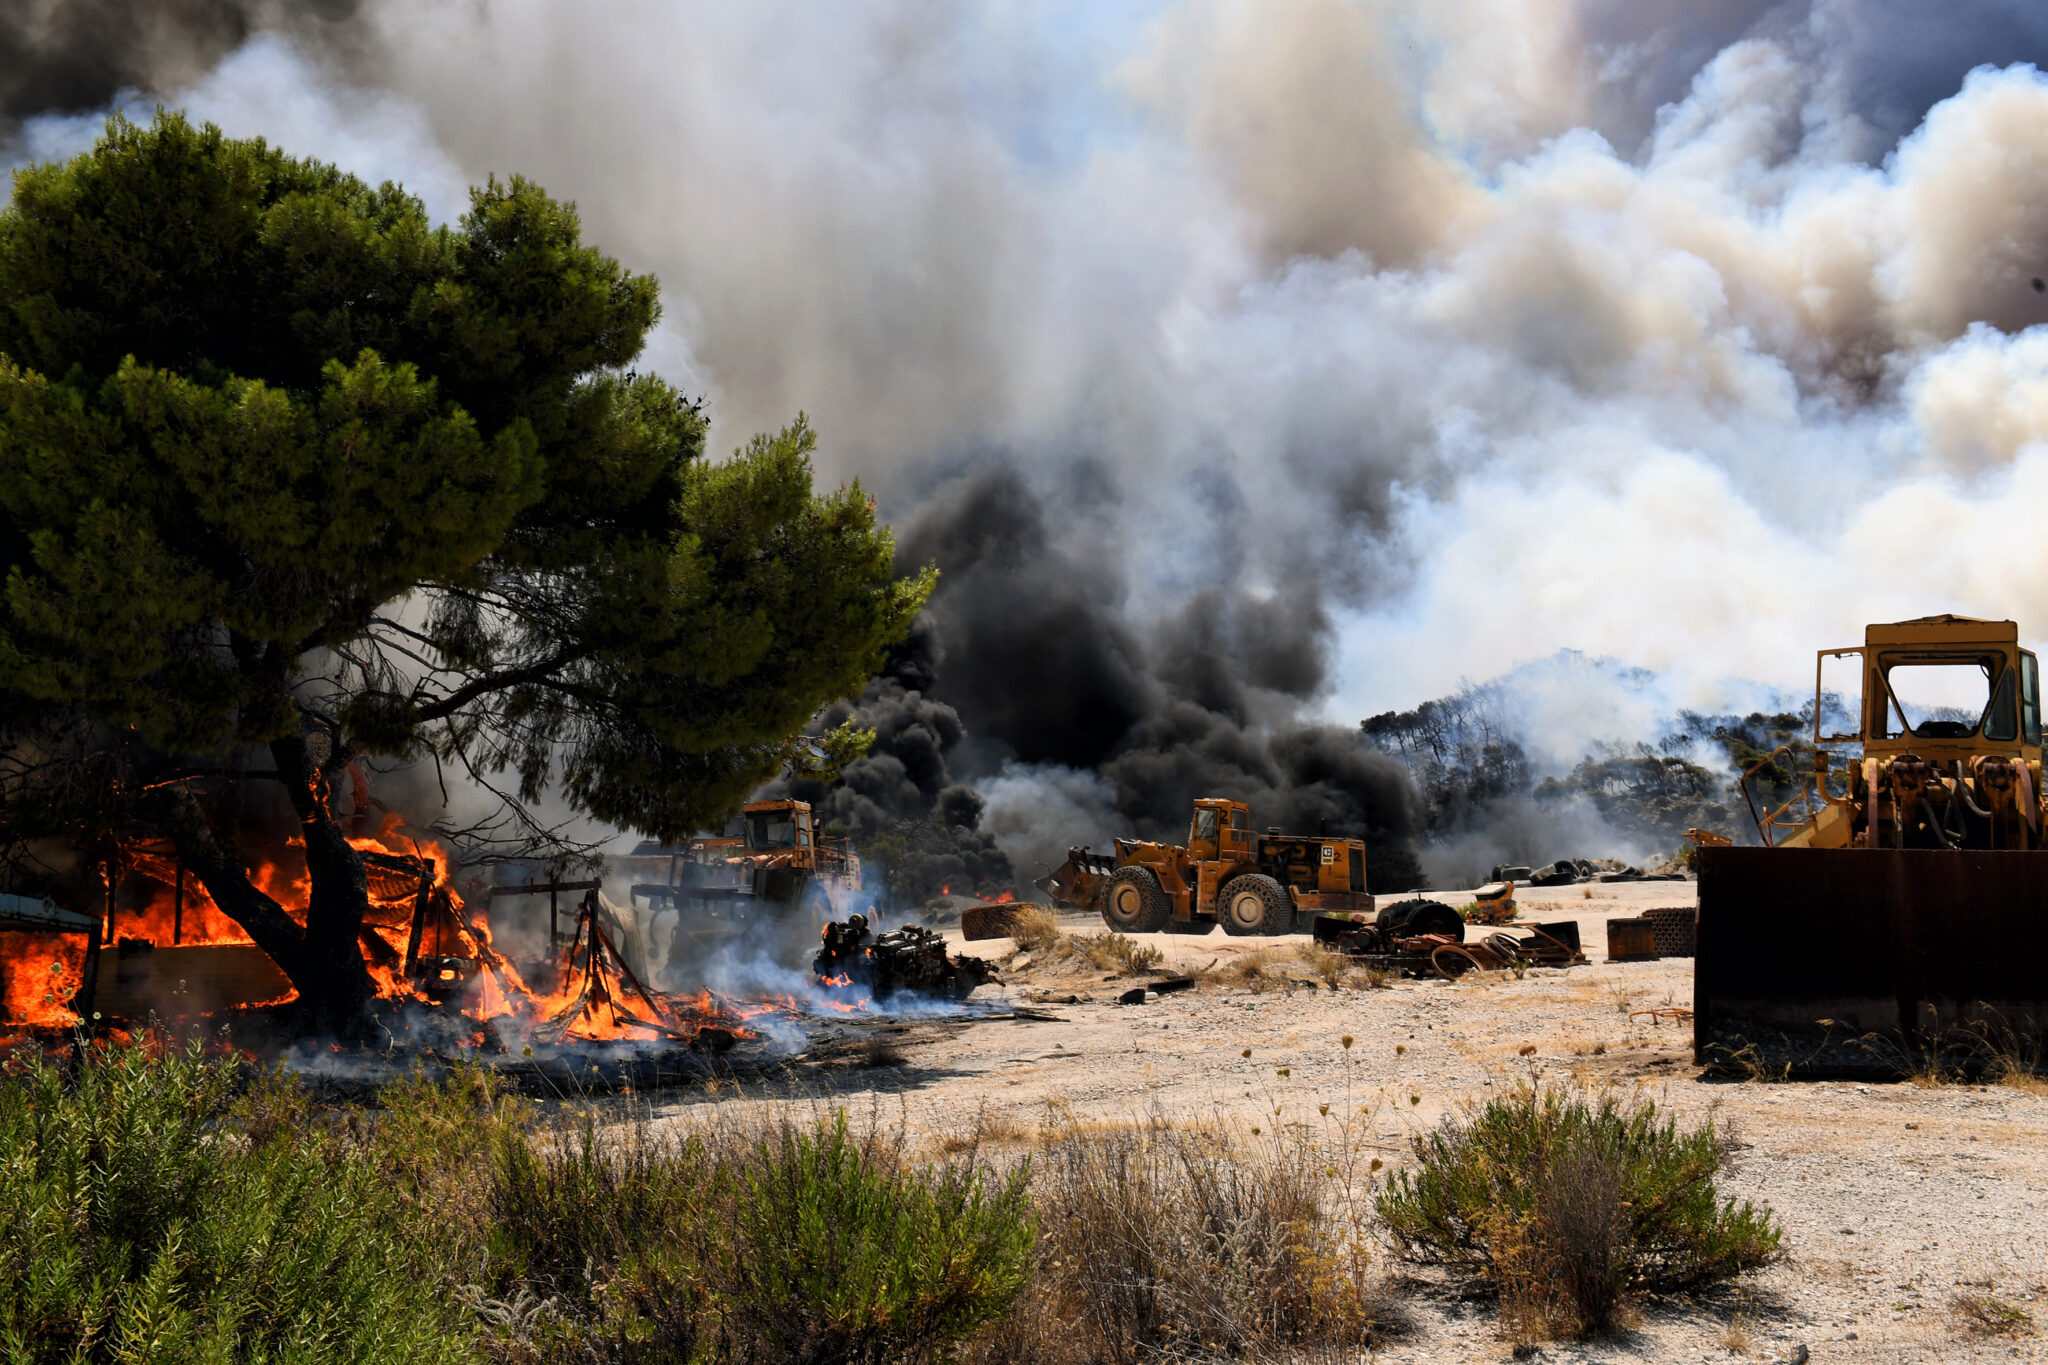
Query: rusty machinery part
column 1677, row 1014
column 990, row 919
column 1493, row 903
column 1453, row 960
column 1673, row 929
column 1419, row 915
column 1546, row 945
column 1631, row 940
column 912, row 959
column 1134, row 902
column 1706, row 838
column 1255, row 904
column 1079, row 881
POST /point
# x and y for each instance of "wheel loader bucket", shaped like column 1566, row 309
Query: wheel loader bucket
column 1859, row 961
column 1077, row 881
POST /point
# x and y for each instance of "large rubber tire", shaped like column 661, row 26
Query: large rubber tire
column 1254, row 904
column 1407, row 919
column 1134, row 902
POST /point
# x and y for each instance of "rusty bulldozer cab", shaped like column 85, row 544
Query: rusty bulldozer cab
column 1251, row 883
column 780, row 867
column 1881, row 907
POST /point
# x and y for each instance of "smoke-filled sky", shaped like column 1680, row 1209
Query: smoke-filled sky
column 1247, row 363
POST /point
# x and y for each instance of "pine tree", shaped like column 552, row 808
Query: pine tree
column 284, row 467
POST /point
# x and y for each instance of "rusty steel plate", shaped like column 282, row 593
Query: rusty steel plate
column 1827, row 960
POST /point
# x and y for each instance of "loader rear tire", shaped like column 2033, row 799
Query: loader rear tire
column 1409, row 918
column 1255, row 904
column 1134, row 902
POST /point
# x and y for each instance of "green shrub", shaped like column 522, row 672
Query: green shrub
column 601, row 1231
column 137, row 1221
column 836, row 1253
column 1567, row 1204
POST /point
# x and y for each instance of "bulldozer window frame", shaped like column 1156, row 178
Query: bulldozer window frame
column 1998, row 690
column 2030, row 699
column 765, row 830
column 1206, row 827
column 1820, row 663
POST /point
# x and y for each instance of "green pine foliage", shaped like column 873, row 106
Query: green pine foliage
column 250, row 406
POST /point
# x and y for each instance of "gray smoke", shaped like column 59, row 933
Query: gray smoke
column 1249, row 368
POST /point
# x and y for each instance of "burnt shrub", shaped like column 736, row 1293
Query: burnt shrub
column 1569, row 1203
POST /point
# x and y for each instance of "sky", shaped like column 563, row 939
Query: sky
column 1409, row 342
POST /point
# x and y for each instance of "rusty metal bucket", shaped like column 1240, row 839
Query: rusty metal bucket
column 1826, row 961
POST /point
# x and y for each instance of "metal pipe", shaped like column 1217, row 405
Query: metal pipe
column 1934, row 822
column 1963, row 790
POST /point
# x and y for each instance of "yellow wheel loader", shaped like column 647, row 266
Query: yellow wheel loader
column 1890, row 902
column 1250, row 883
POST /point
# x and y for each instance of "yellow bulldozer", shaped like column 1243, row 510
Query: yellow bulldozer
column 1251, row 883
column 781, row 866
column 1886, row 903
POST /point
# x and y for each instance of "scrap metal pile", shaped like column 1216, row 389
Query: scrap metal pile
column 912, row 959
column 1421, row 941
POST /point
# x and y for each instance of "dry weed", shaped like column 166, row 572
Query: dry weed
column 1984, row 1315
column 1737, row 1338
column 1034, row 928
column 987, row 1128
column 1164, row 1241
column 1114, row 952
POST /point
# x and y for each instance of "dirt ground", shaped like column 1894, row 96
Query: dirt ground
column 1895, row 1198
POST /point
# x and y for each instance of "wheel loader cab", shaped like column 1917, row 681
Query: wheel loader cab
column 1221, row 832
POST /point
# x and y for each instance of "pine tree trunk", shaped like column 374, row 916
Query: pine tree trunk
column 323, row 959
column 335, row 989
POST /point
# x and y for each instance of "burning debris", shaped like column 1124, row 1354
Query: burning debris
column 911, row 959
column 597, row 984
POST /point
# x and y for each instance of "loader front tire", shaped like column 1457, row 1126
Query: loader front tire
column 1134, row 902
column 1255, row 904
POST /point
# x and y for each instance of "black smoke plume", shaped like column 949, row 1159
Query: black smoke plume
column 70, row 56
column 1036, row 655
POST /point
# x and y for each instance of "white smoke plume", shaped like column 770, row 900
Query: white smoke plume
column 1337, row 350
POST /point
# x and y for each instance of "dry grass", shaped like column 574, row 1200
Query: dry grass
column 1117, row 953
column 1034, row 928
column 1737, row 1338
column 1164, row 1241
column 989, row 1128
column 1983, row 1315
column 1289, row 966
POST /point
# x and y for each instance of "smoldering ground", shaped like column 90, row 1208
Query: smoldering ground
column 1247, row 367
